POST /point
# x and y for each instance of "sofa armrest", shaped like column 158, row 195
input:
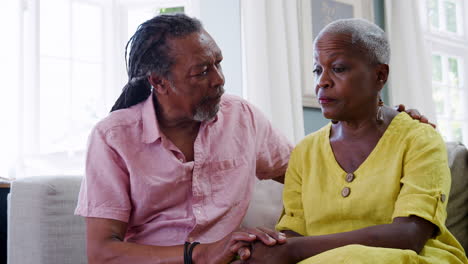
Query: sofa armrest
column 41, row 224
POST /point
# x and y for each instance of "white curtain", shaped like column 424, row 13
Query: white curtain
column 410, row 72
column 10, row 64
column 272, row 70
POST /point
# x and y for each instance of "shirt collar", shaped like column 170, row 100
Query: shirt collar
column 149, row 119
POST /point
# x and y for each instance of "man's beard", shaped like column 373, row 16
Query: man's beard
column 204, row 110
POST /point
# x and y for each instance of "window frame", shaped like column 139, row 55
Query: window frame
column 451, row 45
column 114, row 39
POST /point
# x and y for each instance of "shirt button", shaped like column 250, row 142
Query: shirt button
column 345, row 192
column 349, row 177
column 181, row 160
column 190, row 239
column 442, row 197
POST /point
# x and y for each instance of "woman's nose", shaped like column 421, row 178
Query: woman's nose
column 324, row 80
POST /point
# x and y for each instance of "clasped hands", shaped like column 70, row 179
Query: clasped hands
column 249, row 245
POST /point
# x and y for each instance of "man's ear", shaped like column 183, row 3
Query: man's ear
column 382, row 71
column 160, row 84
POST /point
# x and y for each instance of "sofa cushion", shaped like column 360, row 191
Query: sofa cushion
column 41, row 226
column 457, row 208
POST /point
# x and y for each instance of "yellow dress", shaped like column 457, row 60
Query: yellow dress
column 406, row 174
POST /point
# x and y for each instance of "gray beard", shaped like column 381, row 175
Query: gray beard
column 204, row 115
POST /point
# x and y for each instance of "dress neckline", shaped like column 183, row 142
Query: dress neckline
column 374, row 151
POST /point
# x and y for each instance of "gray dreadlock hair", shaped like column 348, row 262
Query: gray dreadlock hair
column 150, row 53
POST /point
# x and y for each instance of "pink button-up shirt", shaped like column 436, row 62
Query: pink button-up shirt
column 136, row 175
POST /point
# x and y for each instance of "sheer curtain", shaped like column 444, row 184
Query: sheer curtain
column 410, row 72
column 272, row 79
column 10, row 64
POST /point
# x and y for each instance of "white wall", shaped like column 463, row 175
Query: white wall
column 221, row 19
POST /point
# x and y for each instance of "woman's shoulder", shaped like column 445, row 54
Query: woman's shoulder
column 314, row 139
column 412, row 128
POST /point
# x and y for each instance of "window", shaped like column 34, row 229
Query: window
column 72, row 69
column 446, row 35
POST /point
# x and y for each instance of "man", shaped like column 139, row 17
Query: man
column 175, row 160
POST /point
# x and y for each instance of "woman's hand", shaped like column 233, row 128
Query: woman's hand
column 276, row 254
column 414, row 114
column 266, row 236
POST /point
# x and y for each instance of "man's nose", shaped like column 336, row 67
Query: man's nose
column 218, row 77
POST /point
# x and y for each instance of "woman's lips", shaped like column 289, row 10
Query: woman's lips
column 326, row 100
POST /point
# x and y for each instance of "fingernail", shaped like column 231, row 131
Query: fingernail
column 282, row 236
column 271, row 240
column 252, row 236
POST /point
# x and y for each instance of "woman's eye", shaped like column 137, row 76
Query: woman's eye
column 317, row 71
column 339, row 69
column 203, row 73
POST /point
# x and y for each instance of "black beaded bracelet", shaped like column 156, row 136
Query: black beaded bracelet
column 188, row 250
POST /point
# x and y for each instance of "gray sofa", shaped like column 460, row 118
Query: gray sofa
column 43, row 230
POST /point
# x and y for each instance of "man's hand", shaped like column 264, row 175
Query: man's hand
column 224, row 250
column 414, row 114
column 236, row 243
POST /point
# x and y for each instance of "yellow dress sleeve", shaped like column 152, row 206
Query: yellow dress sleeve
column 425, row 181
column 293, row 212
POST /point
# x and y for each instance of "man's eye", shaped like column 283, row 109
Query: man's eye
column 317, row 71
column 203, row 73
column 339, row 69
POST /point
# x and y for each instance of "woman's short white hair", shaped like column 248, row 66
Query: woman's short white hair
column 364, row 33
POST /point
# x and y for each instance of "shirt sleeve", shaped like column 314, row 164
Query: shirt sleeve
column 104, row 190
column 425, row 179
column 272, row 148
column 292, row 217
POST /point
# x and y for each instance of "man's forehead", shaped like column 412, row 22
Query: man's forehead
column 197, row 44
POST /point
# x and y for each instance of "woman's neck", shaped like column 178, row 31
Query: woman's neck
column 363, row 127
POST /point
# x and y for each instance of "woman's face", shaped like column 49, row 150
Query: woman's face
column 347, row 84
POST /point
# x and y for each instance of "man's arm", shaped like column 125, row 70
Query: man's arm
column 105, row 244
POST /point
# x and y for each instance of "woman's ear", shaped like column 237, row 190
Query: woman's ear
column 382, row 72
column 159, row 84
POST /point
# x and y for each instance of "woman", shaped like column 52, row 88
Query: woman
column 372, row 186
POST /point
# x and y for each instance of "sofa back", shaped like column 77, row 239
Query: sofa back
column 457, row 207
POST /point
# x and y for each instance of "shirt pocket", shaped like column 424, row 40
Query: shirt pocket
column 229, row 181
